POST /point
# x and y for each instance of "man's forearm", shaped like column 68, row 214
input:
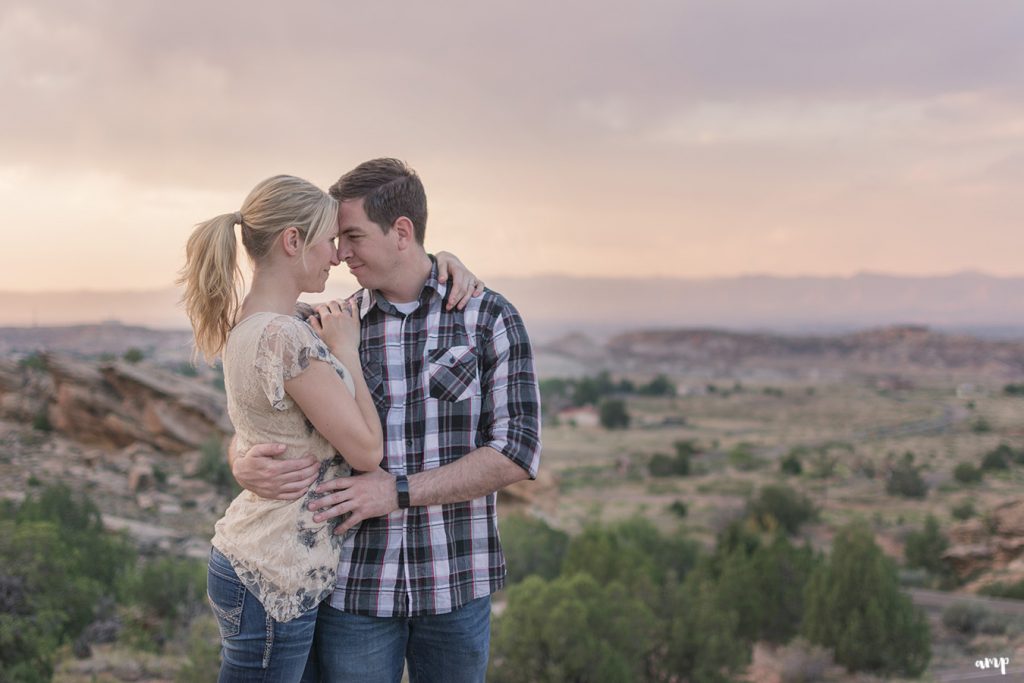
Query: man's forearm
column 475, row 474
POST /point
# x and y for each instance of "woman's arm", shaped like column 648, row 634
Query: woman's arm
column 341, row 418
column 464, row 285
column 338, row 415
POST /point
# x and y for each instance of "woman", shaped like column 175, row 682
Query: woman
column 289, row 382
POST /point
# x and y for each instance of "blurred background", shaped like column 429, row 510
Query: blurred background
column 769, row 255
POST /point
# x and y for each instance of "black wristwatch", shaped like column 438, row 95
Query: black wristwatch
column 402, row 484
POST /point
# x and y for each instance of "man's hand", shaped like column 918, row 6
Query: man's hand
column 372, row 494
column 259, row 471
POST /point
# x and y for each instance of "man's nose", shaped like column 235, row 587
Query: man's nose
column 344, row 252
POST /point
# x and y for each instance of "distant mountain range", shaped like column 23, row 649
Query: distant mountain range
column 553, row 305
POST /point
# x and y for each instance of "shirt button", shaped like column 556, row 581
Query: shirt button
column 408, row 443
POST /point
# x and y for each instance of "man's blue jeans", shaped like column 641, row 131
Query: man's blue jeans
column 448, row 648
column 254, row 646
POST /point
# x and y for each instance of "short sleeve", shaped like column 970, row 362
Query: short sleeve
column 284, row 351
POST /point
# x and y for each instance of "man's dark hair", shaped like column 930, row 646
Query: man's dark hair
column 389, row 190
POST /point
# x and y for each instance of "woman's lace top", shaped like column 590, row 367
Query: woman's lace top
column 285, row 558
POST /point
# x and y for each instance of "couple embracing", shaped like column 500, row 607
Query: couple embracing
column 370, row 435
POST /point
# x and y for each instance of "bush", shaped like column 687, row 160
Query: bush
column 662, row 465
column 613, row 414
column 924, row 549
column 855, row 606
column 133, row 355
column 964, row 510
column 41, row 422
column 741, row 456
column 905, row 479
column 967, row 473
column 791, row 464
column 33, row 361
column 56, row 565
column 981, row 426
column 1004, row 590
column 678, row 508
column 703, row 640
column 571, row 629
column 964, row 617
column 777, row 505
column 532, row 548
column 659, row 386
column 634, row 553
column 999, row 458
column 214, row 469
column 1014, row 389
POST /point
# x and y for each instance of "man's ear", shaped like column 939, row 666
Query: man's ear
column 404, row 232
column 291, row 241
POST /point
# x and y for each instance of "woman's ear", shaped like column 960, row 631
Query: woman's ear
column 291, row 240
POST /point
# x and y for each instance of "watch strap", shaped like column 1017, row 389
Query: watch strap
column 402, row 485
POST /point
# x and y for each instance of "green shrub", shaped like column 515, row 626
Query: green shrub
column 572, row 628
column 981, row 426
column 1004, row 590
column 967, row 473
column 41, row 422
column 905, row 479
column 659, row 386
column 532, row 548
column 964, row 510
column 854, row 605
column 999, row 458
column 924, row 550
column 742, row 457
column 777, row 505
column 1014, row 389
column 662, row 465
column 214, row 469
column 964, row 617
column 678, row 508
column 56, row 565
column 613, row 414
column 791, row 464
column 133, row 355
column 33, row 361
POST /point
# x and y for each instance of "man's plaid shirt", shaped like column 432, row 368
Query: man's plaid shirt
column 445, row 383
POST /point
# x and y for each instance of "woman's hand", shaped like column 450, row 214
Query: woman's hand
column 337, row 323
column 464, row 284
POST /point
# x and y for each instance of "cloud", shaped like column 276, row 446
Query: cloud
column 565, row 130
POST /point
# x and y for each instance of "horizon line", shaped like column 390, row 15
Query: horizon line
column 627, row 278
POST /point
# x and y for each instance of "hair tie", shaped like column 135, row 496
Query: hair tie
column 238, row 217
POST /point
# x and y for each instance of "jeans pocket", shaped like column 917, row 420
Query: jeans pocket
column 226, row 595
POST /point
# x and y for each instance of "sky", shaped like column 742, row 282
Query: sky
column 665, row 138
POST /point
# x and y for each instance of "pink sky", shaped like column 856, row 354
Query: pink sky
column 678, row 139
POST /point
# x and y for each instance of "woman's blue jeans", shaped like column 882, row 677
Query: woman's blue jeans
column 254, row 646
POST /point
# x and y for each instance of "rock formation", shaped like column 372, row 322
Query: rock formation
column 114, row 404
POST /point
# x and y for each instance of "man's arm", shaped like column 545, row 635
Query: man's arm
column 258, row 470
column 374, row 494
column 510, row 413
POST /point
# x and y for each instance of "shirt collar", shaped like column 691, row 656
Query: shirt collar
column 431, row 288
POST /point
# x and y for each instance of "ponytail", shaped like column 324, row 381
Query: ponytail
column 211, row 276
column 212, row 282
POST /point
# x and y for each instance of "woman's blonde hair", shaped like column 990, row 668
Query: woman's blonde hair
column 211, row 276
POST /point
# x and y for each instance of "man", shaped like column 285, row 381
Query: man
column 458, row 399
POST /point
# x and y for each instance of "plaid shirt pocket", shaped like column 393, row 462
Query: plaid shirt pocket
column 453, row 373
